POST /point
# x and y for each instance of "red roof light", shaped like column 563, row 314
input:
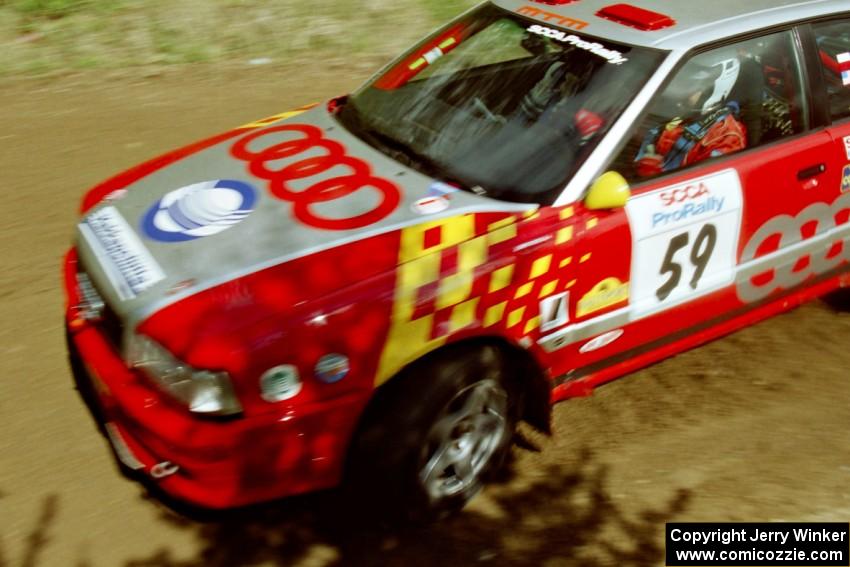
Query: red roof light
column 635, row 17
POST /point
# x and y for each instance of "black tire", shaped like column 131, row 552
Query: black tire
column 433, row 435
column 839, row 300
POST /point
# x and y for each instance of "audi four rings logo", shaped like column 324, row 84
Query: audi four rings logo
column 199, row 210
column 784, row 269
column 358, row 175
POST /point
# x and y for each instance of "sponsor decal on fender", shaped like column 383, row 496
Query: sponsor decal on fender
column 607, row 293
column 279, row 146
column 759, row 277
column 436, row 201
column 845, row 179
column 280, row 383
column 601, row 341
column 332, row 368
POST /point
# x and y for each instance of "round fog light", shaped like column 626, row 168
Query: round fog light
column 280, row 383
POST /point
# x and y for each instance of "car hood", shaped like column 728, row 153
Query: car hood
column 260, row 196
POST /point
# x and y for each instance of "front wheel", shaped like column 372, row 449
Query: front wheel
column 433, row 435
column 466, row 436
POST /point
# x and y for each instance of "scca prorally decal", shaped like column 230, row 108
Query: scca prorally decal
column 610, row 55
column 684, row 241
column 783, row 266
column 325, row 190
column 686, row 202
column 199, row 210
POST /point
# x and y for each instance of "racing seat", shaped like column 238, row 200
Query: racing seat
column 748, row 92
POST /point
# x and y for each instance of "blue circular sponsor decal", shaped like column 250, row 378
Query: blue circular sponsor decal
column 199, row 210
column 332, row 368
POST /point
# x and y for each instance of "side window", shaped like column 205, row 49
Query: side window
column 833, row 39
column 719, row 102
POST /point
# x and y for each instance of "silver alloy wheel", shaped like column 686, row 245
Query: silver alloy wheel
column 464, row 439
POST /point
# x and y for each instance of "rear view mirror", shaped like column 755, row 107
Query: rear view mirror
column 609, row 191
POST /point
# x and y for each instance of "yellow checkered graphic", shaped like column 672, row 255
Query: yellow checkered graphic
column 515, row 317
column 531, row 325
column 524, row 290
column 548, row 289
column 510, row 293
column 501, row 278
column 419, row 266
column 495, row 314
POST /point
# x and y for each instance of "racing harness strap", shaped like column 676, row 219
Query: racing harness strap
column 678, row 145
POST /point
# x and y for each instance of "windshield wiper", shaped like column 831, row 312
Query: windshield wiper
column 399, row 151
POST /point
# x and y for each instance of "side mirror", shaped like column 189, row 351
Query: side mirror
column 610, row 191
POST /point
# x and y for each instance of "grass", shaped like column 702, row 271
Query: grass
column 38, row 36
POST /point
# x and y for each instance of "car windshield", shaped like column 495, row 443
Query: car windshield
column 499, row 104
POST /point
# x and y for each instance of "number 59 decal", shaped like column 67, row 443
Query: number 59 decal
column 684, row 241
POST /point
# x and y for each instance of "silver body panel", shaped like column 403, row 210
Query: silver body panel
column 270, row 235
column 697, row 23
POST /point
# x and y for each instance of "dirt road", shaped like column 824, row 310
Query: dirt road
column 753, row 427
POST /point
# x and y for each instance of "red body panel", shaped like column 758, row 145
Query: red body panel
column 222, row 464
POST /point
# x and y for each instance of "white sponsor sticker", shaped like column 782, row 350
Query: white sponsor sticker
column 431, row 205
column 847, row 146
column 127, row 263
column 601, row 341
column 612, row 56
column 684, row 241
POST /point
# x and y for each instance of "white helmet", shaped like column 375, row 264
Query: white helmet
column 703, row 83
column 729, row 71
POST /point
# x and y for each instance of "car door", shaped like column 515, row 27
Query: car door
column 702, row 242
column 831, row 41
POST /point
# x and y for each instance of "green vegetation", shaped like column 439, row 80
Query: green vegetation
column 38, row 36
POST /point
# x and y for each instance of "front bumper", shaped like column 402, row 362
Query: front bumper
column 208, row 463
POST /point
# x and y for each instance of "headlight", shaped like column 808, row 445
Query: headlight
column 203, row 391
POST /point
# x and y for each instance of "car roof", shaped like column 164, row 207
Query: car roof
column 696, row 23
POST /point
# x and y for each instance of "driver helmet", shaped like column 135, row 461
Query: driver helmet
column 701, row 85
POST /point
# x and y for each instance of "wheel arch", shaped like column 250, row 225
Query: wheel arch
column 525, row 370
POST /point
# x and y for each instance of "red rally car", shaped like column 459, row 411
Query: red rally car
column 540, row 197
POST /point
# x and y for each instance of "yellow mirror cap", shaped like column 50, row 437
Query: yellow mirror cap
column 610, row 191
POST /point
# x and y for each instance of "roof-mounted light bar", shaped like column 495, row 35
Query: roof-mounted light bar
column 634, row 17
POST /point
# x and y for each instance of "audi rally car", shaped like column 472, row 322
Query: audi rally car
column 540, row 197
